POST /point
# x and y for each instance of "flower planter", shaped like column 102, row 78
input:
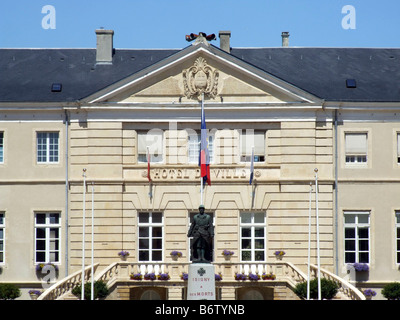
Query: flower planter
column 279, row 254
column 227, row 257
column 123, row 255
column 34, row 296
column 175, row 255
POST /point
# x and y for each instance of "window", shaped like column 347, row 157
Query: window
column 398, row 237
column 1, row 147
column 194, row 147
column 47, row 237
column 47, row 147
column 356, row 148
column 356, row 237
column 150, row 236
column 398, row 148
column 250, row 139
column 2, row 231
column 252, row 236
column 153, row 142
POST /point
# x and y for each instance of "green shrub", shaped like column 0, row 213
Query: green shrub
column 100, row 290
column 391, row 291
column 329, row 289
column 9, row 291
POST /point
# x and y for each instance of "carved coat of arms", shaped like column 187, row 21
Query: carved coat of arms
column 200, row 78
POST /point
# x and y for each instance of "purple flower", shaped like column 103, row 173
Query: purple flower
column 361, row 266
column 136, row 276
column 184, row 276
column 163, row 276
column 36, row 292
column 369, row 293
column 227, row 253
column 218, row 277
column 150, row 276
column 254, row 276
column 176, row 253
column 123, row 253
column 240, row 276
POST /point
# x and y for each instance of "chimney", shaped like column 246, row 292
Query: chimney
column 285, row 39
column 104, row 49
column 224, row 41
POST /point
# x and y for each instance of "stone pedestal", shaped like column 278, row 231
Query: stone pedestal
column 201, row 282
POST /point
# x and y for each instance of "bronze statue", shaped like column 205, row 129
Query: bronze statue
column 202, row 231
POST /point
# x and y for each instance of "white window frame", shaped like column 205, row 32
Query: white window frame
column 247, row 140
column 48, row 226
column 398, row 147
column 397, row 236
column 2, row 238
column 357, row 225
column 253, row 225
column 150, row 225
column 359, row 156
column 1, row 147
column 193, row 146
column 48, row 146
column 153, row 141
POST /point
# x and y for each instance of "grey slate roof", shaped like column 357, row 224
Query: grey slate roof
column 26, row 75
column 323, row 71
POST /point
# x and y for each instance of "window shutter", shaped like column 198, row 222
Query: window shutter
column 153, row 140
column 256, row 139
column 398, row 145
column 356, row 144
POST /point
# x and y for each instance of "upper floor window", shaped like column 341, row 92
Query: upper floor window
column 150, row 142
column 252, row 236
column 47, row 237
column 356, row 148
column 249, row 140
column 194, row 147
column 2, row 229
column 1, row 147
column 150, row 236
column 47, row 147
column 398, row 148
column 356, row 237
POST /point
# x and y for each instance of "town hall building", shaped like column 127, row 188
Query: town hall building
column 99, row 159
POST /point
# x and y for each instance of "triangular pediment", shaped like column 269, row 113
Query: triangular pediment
column 185, row 76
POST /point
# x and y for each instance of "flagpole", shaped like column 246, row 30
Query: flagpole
column 309, row 243
column 317, row 222
column 83, row 235
column 92, row 271
column 201, row 178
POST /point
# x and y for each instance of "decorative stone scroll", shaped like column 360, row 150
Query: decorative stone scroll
column 200, row 78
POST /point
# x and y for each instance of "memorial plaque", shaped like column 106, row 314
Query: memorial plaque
column 201, row 282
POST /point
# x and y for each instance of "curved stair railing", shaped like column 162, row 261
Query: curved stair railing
column 345, row 288
column 121, row 271
column 64, row 286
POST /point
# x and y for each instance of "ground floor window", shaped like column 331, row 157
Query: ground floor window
column 356, row 237
column 2, row 229
column 47, row 237
column 252, row 236
column 397, row 237
column 150, row 226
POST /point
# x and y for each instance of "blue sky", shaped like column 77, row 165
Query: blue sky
column 164, row 23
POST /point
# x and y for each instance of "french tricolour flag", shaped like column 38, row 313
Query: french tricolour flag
column 204, row 155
